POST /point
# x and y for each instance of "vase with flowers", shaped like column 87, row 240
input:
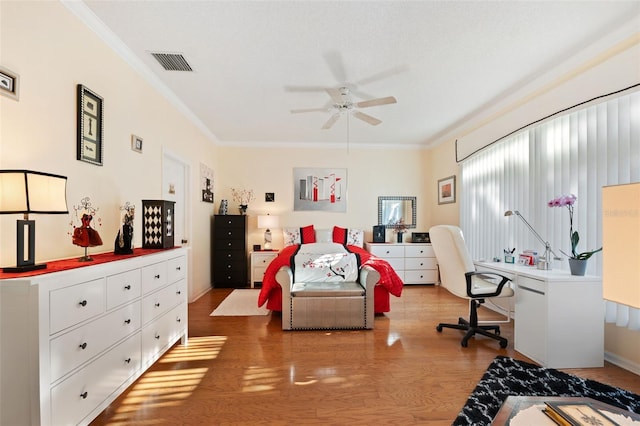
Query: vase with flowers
column 243, row 197
column 577, row 261
column 399, row 227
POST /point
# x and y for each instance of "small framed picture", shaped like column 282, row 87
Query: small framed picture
column 447, row 190
column 136, row 143
column 269, row 197
column 90, row 126
column 9, row 83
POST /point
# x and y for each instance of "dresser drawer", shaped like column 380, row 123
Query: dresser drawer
column 224, row 222
column 176, row 269
column 123, row 288
column 71, row 305
column 387, row 251
column 154, row 276
column 76, row 347
column 154, row 305
column 420, row 277
column 419, row 250
column 157, row 335
column 181, row 291
column 76, row 397
column 420, row 263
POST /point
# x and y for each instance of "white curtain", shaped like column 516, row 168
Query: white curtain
column 576, row 153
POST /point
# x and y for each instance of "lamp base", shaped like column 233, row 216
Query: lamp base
column 25, row 268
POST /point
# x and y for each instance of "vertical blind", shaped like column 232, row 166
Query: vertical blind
column 576, row 153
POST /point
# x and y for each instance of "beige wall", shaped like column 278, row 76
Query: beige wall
column 370, row 173
column 52, row 51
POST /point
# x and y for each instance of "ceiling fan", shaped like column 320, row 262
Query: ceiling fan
column 343, row 104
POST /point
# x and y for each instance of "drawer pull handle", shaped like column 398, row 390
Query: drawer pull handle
column 178, row 268
column 421, row 264
column 387, row 251
column 157, row 336
column 157, row 277
column 127, row 287
column 178, row 292
column 127, row 321
column 157, row 304
column 83, row 346
column 178, row 320
column 128, row 360
column 84, row 395
column 83, row 303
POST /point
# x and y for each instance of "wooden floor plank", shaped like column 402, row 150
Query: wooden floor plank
column 246, row 370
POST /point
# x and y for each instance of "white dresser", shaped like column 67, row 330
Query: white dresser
column 559, row 317
column 415, row 263
column 73, row 340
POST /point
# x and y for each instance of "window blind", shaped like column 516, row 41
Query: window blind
column 576, row 153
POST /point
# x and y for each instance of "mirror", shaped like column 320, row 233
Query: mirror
column 392, row 209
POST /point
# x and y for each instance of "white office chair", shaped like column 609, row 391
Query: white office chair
column 458, row 275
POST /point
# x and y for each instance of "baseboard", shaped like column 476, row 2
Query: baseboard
column 622, row 363
column 198, row 296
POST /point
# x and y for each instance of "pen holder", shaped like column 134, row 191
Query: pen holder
column 509, row 259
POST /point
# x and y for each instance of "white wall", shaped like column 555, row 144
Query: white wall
column 52, row 51
column 370, row 173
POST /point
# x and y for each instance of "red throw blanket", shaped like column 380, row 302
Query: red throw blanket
column 271, row 293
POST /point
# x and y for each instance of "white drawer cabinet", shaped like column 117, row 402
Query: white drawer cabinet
column 415, row 263
column 559, row 318
column 259, row 262
column 73, row 340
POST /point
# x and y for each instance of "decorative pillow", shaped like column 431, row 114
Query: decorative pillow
column 291, row 236
column 307, row 235
column 355, row 237
column 339, row 235
column 350, row 237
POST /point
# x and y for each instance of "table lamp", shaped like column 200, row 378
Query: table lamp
column 545, row 261
column 267, row 221
column 25, row 191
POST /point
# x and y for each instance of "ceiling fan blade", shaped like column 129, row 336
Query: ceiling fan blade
column 336, row 65
column 304, row 88
column 297, row 111
column 336, row 96
column 366, row 118
column 383, row 74
column 332, row 120
column 375, row 102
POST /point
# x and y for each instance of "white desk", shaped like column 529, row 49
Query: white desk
column 559, row 318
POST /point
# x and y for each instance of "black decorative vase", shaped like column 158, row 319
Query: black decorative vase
column 243, row 209
column 399, row 237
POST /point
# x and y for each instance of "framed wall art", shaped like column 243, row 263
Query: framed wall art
column 447, row 190
column 136, row 143
column 206, row 183
column 90, row 126
column 9, row 83
column 320, row 189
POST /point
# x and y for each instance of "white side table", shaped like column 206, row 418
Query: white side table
column 259, row 262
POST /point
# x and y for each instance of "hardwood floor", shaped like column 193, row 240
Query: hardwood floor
column 246, row 370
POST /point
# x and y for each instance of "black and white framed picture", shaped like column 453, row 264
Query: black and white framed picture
column 9, row 83
column 206, row 183
column 136, row 143
column 90, row 126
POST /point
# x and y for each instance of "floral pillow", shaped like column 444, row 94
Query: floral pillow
column 291, row 236
column 350, row 237
column 304, row 235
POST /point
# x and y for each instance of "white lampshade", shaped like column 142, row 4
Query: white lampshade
column 24, row 191
column 268, row 221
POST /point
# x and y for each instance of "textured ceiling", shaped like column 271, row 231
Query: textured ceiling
column 444, row 62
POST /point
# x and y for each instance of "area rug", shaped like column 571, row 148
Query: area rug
column 240, row 303
column 507, row 376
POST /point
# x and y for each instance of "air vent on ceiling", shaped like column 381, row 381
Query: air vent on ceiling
column 172, row 61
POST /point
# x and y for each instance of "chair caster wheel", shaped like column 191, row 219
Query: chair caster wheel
column 503, row 345
column 464, row 344
column 497, row 332
column 439, row 329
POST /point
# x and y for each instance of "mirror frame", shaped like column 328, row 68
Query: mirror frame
column 381, row 200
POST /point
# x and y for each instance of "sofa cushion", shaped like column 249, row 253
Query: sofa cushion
column 326, row 289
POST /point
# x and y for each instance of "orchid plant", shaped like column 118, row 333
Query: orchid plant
column 568, row 201
column 243, row 196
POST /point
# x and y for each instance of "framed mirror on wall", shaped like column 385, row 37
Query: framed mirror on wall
column 392, row 209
